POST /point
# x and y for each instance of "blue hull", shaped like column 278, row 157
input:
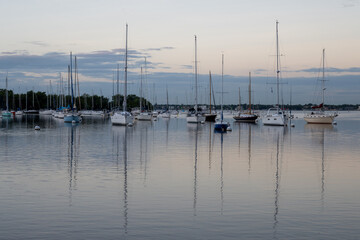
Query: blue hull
column 71, row 118
column 221, row 127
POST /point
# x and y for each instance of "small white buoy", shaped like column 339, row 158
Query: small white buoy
column 228, row 129
column 155, row 119
column 37, row 128
column 292, row 125
column 335, row 123
column 202, row 122
column 73, row 121
column 130, row 124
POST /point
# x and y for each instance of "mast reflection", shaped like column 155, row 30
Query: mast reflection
column 318, row 131
column 73, row 154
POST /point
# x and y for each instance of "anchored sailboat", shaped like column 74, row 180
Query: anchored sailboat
column 6, row 113
column 210, row 117
column 221, row 125
column 124, row 118
column 320, row 116
column 247, row 116
column 276, row 116
column 195, row 116
column 72, row 116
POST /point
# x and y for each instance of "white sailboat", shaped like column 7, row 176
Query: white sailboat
column 275, row 116
column 6, row 113
column 320, row 116
column 220, row 124
column 72, row 116
column 124, row 118
column 143, row 115
column 166, row 113
column 195, row 116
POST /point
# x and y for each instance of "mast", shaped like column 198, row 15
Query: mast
column 196, row 100
column 239, row 101
column 277, row 63
column 78, row 83
column 7, row 94
column 126, row 53
column 141, row 78
column 250, row 92
column 210, row 89
column 19, row 99
column 33, row 98
column 26, row 100
column 71, row 83
column 323, row 79
column 167, row 99
column 117, row 87
column 222, row 82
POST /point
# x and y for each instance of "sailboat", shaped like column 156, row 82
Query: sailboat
column 247, row 116
column 143, row 115
column 124, row 118
column 166, row 113
column 210, row 117
column 221, row 125
column 6, row 113
column 275, row 116
column 320, row 116
column 194, row 116
column 72, row 116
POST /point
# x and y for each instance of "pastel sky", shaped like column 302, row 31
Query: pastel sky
column 37, row 36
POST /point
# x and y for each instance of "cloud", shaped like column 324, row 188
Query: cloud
column 186, row 66
column 37, row 43
column 350, row 3
column 333, row 70
column 157, row 49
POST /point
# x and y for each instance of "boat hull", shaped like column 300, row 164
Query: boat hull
column 250, row 118
column 221, row 126
column 6, row 114
column 144, row 117
column 72, row 118
column 195, row 119
column 122, row 119
column 210, row 117
column 319, row 119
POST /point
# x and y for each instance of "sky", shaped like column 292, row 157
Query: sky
column 37, row 37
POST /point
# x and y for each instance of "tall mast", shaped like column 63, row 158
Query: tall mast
column 239, row 101
column 78, row 84
column 277, row 63
column 117, row 86
column 126, row 53
column 7, row 94
column 71, row 83
column 222, row 81
column 210, row 89
column 323, row 79
column 141, row 78
column 167, row 99
column 250, row 92
column 19, row 99
column 196, row 100
column 33, row 98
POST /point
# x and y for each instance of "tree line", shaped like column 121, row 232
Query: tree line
column 41, row 100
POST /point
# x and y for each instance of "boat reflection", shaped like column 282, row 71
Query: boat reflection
column 73, row 149
column 318, row 134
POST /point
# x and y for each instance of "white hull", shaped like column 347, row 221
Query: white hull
column 144, row 117
column 165, row 115
column 19, row 113
column 277, row 118
column 122, row 118
column 46, row 112
column 195, row 119
column 319, row 118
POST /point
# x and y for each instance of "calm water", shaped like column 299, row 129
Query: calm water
column 171, row 180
